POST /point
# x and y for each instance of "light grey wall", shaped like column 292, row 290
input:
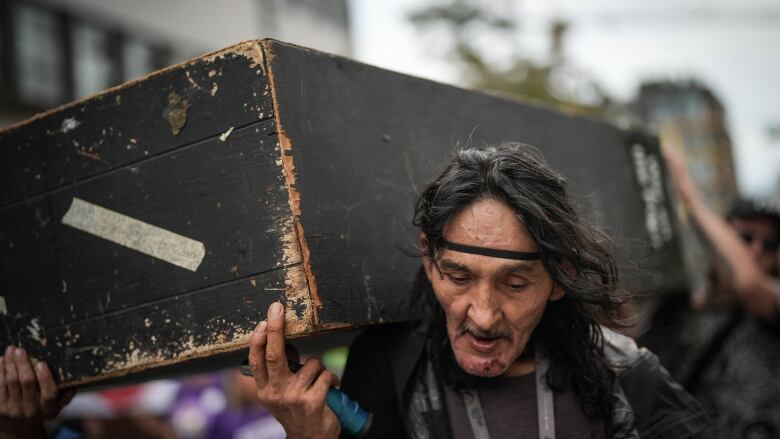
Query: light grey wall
column 193, row 27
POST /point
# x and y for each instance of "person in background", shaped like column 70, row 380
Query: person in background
column 723, row 345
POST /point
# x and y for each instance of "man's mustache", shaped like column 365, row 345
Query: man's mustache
column 467, row 328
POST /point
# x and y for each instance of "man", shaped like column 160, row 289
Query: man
column 511, row 292
column 723, row 345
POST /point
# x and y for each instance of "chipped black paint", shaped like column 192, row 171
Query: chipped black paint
column 299, row 306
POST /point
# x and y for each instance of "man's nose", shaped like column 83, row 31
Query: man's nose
column 484, row 310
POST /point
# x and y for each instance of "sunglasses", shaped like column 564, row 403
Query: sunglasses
column 767, row 245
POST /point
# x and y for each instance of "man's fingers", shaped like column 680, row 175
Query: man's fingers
column 307, row 374
column 257, row 355
column 12, row 384
column 3, row 389
column 28, row 383
column 322, row 384
column 48, row 388
column 275, row 358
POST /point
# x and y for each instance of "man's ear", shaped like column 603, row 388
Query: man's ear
column 426, row 259
column 557, row 293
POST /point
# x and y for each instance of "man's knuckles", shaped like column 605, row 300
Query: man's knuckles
column 273, row 357
column 333, row 379
column 254, row 363
column 30, row 412
column 257, row 340
column 28, row 381
column 310, row 370
column 272, row 398
column 295, row 401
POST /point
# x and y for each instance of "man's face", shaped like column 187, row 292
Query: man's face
column 492, row 304
column 761, row 236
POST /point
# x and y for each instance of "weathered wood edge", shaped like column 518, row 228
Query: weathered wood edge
column 249, row 49
column 267, row 43
column 295, row 244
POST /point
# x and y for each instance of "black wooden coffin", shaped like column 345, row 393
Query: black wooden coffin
column 153, row 224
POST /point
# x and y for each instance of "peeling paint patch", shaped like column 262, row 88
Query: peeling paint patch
column 299, row 313
column 35, row 329
column 225, row 135
column 69, row 124
column 3, row 307
column 249, row 49
column 129, row 232
column 176, row 112
column 214, row 89
column 191, row 81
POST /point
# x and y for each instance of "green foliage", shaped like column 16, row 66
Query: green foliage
column 469, row 23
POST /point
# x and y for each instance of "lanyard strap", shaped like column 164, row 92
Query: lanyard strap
column 544, row 403
column 544, row 397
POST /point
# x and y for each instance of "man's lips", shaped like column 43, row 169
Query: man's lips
column 483, row 345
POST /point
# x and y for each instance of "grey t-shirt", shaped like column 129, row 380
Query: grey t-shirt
column 509, row 406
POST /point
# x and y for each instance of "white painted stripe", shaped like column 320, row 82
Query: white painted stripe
column 135, row 234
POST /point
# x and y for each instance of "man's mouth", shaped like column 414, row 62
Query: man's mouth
column 482, row 344
column 480, row 341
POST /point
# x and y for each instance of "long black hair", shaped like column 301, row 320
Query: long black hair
column 570, row 250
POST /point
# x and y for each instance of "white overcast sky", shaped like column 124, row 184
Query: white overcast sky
column 729, row 46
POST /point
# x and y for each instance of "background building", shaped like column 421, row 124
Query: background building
column 55, row 51
column 689, row 116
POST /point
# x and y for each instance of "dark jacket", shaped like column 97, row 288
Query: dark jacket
column 385, row 373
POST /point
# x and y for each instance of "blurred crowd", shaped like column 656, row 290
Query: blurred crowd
column 720, row 339
column 221, row 405
column 216, row 405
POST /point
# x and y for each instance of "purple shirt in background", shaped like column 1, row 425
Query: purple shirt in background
column 253, row 423
column 201, row 411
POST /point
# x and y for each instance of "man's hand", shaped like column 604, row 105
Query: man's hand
column 28, row 395
column 297, row 400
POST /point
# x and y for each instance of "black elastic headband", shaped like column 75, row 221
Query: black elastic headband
column 492, row 252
